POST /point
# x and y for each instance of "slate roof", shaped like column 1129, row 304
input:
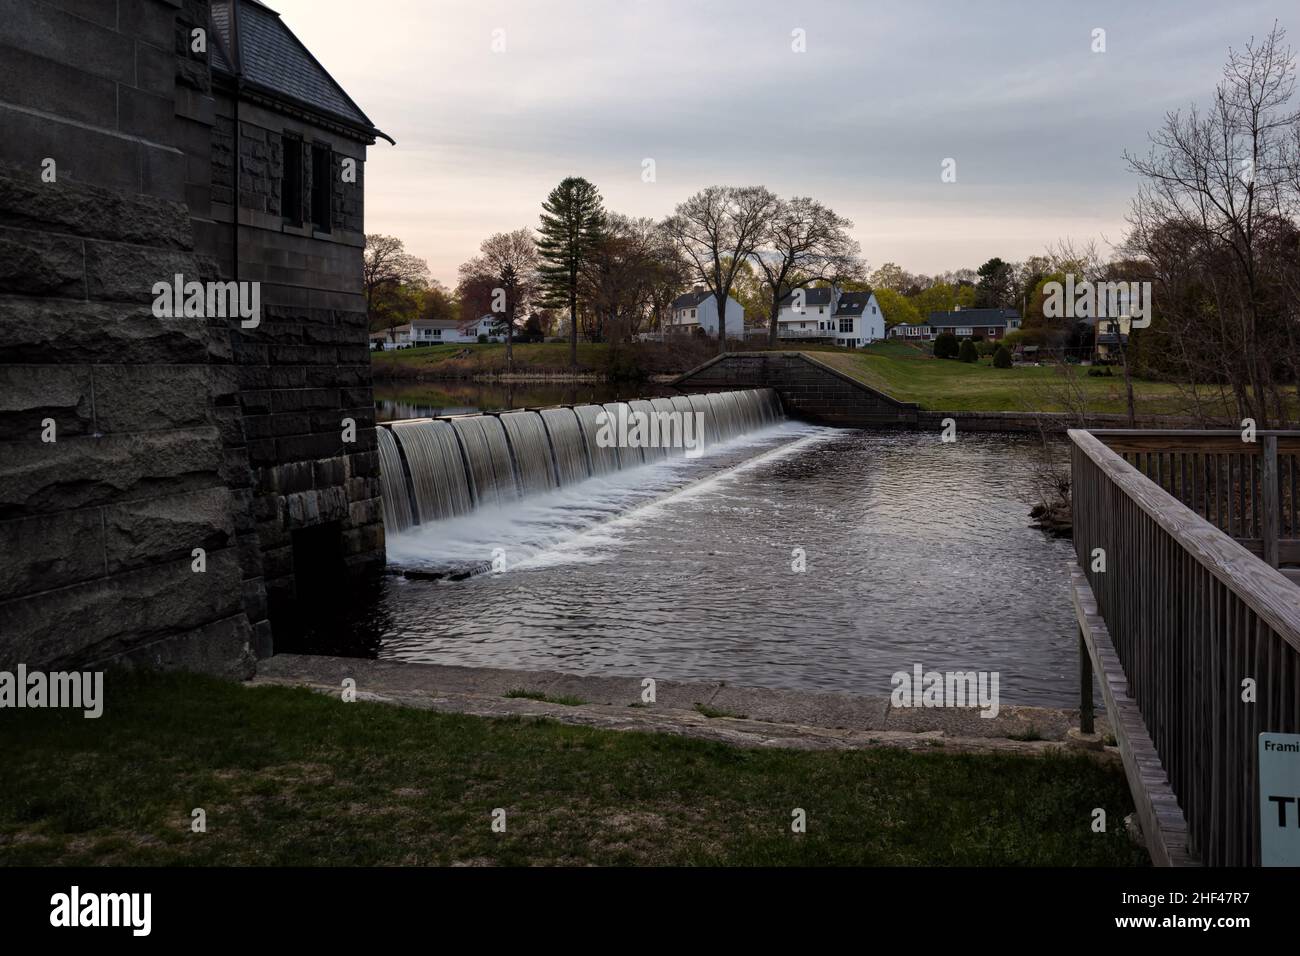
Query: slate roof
column 275, row 61
column 972, row 318
column 851, row 303
column 818, row 296
column 691, row 299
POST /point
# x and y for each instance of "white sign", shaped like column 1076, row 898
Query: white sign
column 1279, row 799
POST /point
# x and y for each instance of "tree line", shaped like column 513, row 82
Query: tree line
column 610, row 276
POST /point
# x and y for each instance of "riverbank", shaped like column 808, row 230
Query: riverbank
column 291, row 777
column 907, row 373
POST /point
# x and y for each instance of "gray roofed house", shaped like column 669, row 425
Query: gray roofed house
column 827, row 314
column 696, row 313
column 964, row 323
column 975, row 318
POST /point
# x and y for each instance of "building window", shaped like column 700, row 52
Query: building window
column 291, row 181
column 966, row 331
column 846, row 325
column 873, row 310
column 322, row 165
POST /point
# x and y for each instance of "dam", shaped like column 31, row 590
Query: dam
column 434, row 469
column 789, row 554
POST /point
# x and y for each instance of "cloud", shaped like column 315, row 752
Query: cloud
column 1037, row 122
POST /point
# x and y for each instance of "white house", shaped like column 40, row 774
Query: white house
column 437, row 331
column 827, row 314
column 697, row 311
column 488, row 325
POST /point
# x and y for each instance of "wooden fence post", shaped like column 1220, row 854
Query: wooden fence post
column 1271, row 516
column 1085, row 688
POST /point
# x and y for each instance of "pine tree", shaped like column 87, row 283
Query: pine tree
column 573, row 218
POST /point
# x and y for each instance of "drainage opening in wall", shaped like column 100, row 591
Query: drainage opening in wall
column 321, row 612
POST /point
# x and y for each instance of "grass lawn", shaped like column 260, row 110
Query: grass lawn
column 443, row 360
column 288, row 776
column 912, row 375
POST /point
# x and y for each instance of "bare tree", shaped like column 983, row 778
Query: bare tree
column 717, row 230
column 618, row 277
column 803, row 242
column 503, row 280
column 1219, row 188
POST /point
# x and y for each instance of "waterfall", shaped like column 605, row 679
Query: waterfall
column 603, row 459
column 397, row 500
column 565, row 433
column 627, row 457
column 491, row 475
column 645, row 408
column 531, row 450
column 437, row 469
column 432, row 469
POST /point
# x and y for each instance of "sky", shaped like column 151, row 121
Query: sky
column 714, row 92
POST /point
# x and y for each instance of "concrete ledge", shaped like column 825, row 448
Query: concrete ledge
column 742, row 716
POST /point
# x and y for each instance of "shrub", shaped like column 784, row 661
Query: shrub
column 968, row 352
column 482, row 338
column 1002, row 357
column 945, row 346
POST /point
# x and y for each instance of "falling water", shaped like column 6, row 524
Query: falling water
column 397, row 502
column 604, row 458
column 437, row 469
column 531, row 451
column 652, row 453
column 491, row 475
column 566, row 442
column 458, row 464
column 627, row 457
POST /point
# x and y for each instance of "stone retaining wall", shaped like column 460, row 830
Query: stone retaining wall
column 809, row 389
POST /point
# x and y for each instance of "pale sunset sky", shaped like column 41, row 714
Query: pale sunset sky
column 712, row 91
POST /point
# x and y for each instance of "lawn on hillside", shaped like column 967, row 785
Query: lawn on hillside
column 464, row 360
column 290, row 777
column 910, row 374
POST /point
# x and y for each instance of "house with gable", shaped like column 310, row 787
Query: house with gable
column 828, row 314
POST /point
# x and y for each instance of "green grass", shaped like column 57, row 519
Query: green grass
column 910, row 374
column 287, row 776
column 446, row 360
column 568, row 700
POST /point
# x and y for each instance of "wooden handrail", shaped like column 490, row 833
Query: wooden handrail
column 1263, row 589
column 1206, row 635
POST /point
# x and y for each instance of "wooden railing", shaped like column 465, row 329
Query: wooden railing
column 1191, row 613
column 1250, row 490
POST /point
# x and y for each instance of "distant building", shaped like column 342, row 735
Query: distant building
column 438, row 331
column 696, row 312
column 989, row 324
column 827, row 314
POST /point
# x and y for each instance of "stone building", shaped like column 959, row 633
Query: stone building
column 172, row 487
